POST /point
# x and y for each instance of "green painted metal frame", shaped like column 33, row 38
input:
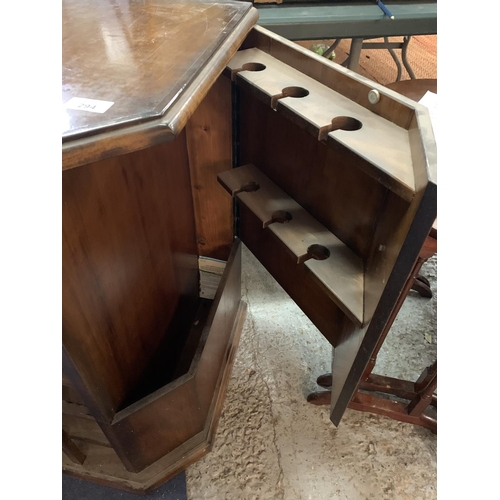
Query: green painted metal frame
column 312, row 21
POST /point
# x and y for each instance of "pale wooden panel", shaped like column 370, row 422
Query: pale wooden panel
column 384, row 145
column 341, row 273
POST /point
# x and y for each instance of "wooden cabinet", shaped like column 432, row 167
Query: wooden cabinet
column 217, row 133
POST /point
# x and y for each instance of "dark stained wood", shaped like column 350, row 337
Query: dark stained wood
column 135, row 216
column 71, row 450
column 145, row 54
column 113, row 141
column 215, row 344
column 145, row 429
column 404, row 250
column 129, row 255
column 71, row 395
column 329, row 115
column 392, row 409
column 339, row 270
column 411, row 411
column 104, row 467
column 84, row 429
column 383, row 225
column 209, row 142
column 77, row 410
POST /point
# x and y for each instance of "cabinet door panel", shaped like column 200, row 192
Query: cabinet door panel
column 322, row 174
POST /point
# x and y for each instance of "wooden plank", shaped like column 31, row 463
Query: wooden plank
column 142, row 426
column 77, row 410
column 84, row 429
column 129, row 255
column 209, row 144
column 132, row 137
column 330, row 184
column 71, row 450
column 328, row 114
column 341, row 271
column 298, row 281
column 103, row 466
column 392, row 106
column 156, row 63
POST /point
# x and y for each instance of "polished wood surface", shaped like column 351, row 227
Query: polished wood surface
column 129, row 264
column 328, row 114
column 147, row 357
column 419, row 395
column 201, row 390
column 339, row 184
column 140, row 55
column 123, row 136
column 302, row 286
column 391, row 106
column 332, row 263
column 209, row 142
column 332, row 189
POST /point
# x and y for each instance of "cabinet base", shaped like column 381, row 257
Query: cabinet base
column 103, row 466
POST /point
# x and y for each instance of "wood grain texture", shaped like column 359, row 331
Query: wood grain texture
column 383, row 223
column 131, row 137
column 404, row 247
column 209, row 142
column 84, row 429
column 104, row 467
column 392, row 106
column 326, row 113
column 326, row 182
column 145, row 54
column 71, row 450
column 148, row 432
column 341, row 272
column 298, row 281
column 129, row 254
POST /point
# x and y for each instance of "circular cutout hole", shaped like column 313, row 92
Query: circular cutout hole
column 295, row 92
column 253, row 67
column 346, row 123
column 249, row 187
column 281, row 216
column 318, row 252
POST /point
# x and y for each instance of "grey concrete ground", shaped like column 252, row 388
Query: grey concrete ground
column 271, row 444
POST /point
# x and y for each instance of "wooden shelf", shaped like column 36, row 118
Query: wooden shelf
column 341, row 272
column 331, row 117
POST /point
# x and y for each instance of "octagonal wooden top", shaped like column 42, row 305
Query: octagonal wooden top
column 128, row 62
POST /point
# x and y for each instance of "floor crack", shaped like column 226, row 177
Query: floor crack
column 279, row 485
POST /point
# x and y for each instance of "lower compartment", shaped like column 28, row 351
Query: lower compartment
column 162, row 433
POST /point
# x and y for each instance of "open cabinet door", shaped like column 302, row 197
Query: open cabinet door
column 335, row 188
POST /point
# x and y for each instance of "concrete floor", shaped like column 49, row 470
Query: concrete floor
column 271, row 444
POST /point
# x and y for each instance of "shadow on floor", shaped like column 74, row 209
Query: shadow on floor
column 77, row 489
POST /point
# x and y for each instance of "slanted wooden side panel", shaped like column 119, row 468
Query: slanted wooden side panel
column 129, row 255
column 209, row 142
column 215, row 343
column 164, row 420
column 358, row 344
